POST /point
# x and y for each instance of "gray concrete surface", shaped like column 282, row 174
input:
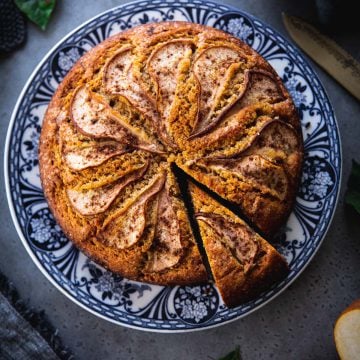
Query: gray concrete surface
column 296, row 325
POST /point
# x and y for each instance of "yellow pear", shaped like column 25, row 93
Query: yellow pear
column 347, row 332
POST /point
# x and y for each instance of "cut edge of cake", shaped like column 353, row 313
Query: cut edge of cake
column 243, row 264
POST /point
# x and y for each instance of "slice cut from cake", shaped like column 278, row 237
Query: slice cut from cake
column 242, row 263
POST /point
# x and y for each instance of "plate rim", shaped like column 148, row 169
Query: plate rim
column 40, row 265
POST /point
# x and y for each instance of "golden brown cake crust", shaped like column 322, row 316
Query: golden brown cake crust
column 144, row 124
column 237, row 281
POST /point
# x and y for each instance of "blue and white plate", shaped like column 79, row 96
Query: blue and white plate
column 144, row 306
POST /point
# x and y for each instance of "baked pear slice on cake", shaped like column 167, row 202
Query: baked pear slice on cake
column 242, row 263
column 259, row 175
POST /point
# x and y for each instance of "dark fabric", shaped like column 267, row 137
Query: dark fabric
column 24, row 333
column 12, row 26
column 18, row 339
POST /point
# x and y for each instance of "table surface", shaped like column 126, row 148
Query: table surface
column 298, row 324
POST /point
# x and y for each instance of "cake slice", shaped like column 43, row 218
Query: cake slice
column 242, row 263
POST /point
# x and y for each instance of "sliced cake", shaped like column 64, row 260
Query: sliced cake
column 242, row 263
column 145, row 100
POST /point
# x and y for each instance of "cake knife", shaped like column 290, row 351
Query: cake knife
column 329, row 55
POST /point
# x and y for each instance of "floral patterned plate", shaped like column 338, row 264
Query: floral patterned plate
column 144, row 306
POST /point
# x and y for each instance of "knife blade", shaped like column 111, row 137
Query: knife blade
column 324, row 51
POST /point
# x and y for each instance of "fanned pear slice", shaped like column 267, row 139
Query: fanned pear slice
column 118, row 79
column 126, row 233
column 243, row 264
column 260, row 199
column 127, row 226
column 173, row 251
column 95, row 118
column 80, row 152
column 255, row 172
column 276, row 141
column 279, row 143
column 260, row 86
column 257, row 86
column 259, row 178
column 213, row 68
column 165, row 67
column 234, row 132
column 95, row 201
column 151, row 235
column 91, row 156
column 167, row 248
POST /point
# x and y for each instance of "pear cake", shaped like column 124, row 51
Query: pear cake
column 144, row 112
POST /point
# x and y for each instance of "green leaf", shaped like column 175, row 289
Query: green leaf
column 38, row 11
column 234, row 355
column 352, row 196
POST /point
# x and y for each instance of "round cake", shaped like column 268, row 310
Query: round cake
column 150, row 109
